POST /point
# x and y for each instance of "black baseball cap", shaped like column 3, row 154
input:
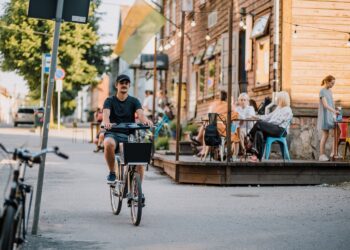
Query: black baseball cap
column 121, row 78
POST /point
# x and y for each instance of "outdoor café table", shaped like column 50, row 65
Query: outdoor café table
column 246, row 120
column 336, row 139
column 92, row 125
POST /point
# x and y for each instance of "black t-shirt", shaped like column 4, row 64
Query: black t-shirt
column 122, row 111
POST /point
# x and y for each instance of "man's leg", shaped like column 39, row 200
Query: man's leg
column 109, row 145
column 141, row 170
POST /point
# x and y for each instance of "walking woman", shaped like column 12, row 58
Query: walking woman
column 326, row 115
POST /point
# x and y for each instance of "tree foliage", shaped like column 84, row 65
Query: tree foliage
column 23, row 40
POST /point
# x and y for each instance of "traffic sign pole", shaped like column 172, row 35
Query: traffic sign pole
column 59, row 86
column 46, row 124
column 42, row 81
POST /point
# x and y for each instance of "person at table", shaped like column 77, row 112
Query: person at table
column 274, row 124
column 245, row 111
column 326, row 115
column 98, row 116
column 218, row 106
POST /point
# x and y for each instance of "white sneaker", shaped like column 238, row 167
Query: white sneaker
column 323, row 158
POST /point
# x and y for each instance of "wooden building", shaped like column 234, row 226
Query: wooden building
column 278, row 45
column 312, row 48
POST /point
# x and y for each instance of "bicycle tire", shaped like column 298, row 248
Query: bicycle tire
column 7, row 236
column 117, row 198
column 136, row 199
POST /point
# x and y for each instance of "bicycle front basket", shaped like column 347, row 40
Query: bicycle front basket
column 137, row 153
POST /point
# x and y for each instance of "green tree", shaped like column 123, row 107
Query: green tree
column 23, row 40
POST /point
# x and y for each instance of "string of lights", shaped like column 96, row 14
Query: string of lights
column 243, row 26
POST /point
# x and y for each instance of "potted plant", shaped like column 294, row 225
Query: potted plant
column 162, row 143
column 173, row 129
column 190, row 129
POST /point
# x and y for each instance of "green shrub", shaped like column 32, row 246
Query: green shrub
column 193, row 128
column 173, row 125
column 162, row 143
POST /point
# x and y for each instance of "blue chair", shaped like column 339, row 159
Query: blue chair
column 282, row 141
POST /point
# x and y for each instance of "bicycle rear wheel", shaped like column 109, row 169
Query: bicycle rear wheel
column 8, row 229
column 136, row 199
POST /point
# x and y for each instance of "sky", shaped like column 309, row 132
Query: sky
column 108, row 33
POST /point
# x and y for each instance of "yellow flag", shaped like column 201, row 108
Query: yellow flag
column 140, row 25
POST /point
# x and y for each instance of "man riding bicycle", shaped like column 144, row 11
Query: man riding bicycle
column 120, row 108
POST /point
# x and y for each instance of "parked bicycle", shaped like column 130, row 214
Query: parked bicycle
column 162, row 126
column 16, row 207
column 136, row 152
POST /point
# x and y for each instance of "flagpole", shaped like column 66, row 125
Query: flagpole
column 178, row 128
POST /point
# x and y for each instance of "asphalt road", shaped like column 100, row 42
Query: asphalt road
column 76, row 214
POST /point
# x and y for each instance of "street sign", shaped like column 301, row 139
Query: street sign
column 75, row 11
column 60, row 74
column 47, row 62
column 59, row 85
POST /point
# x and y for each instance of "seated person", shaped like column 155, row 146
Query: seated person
column 99, row 140
column 245, row 111
column 98, row 115
column 235, row 131
column 274, row 124
column 218, row 106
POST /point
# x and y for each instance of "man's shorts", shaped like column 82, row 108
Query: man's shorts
column 118, row 138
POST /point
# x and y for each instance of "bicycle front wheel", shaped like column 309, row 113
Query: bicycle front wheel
column 136, row 199
column 7, row 236
column 116, row 199
column 116, row 191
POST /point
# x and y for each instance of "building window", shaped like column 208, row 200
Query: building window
column 212, row 19
column 211, row 78
column 262, row 71
column 173, row 14
column 201, row 82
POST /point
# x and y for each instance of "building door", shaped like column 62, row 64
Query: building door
column 242, row 73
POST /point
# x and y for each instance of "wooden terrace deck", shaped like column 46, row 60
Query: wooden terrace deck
column 190, row 169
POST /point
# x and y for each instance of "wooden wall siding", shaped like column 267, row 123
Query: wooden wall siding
column 317, row 53
column 197, row 39
column 259, row 8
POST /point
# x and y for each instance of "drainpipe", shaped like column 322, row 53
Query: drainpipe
column 276, row 41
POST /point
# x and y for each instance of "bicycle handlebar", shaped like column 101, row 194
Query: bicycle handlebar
column 128, row 126
column 25, row 155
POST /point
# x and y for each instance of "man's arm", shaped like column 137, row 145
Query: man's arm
column 143, row 118
column 106, row 121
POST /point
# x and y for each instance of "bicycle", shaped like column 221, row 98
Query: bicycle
column 135, row 152
column 162, row 124
column 14, row 218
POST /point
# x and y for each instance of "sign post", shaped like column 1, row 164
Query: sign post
column 45, row 69
column 47, row 115
column 59, row 75
column 58, row 10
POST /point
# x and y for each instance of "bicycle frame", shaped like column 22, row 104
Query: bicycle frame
column 128, row 181
column 17, row 199
column 15, row 214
